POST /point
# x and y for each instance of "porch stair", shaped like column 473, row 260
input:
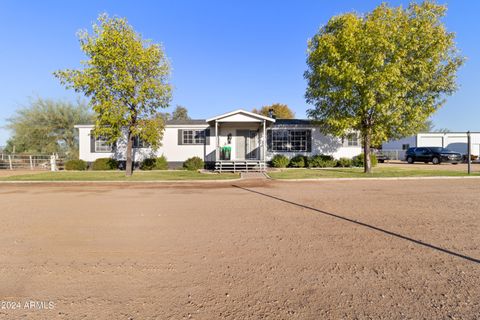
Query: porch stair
column 240, row 166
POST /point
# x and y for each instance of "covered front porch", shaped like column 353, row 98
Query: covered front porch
column 240, row 139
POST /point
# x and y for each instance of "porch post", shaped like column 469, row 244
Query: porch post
column 216, row 141
column 264, row 140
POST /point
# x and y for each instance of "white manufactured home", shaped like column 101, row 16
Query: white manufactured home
column 237, row 139
column 455, row 141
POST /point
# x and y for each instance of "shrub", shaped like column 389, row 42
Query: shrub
column 321, row 161
column 298, row 162
column 193, row 163
column 358, row 160
column 76, row 165
column 105, row 164
column 280, row 161
column 344, row 162
column 159, row 163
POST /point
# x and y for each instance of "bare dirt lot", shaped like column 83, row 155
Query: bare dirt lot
column 257, row 250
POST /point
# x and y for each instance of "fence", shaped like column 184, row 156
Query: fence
column 393, row 154
column 29, row 162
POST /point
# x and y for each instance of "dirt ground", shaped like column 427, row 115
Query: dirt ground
column 248, row 250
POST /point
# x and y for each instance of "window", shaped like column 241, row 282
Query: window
column 102, row 145
column 139, row 143
column 405, row 146
column 352, row 140
column 193, row 137
column 291, row 140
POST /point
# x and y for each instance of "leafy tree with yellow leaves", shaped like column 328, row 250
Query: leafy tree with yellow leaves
column 383, row 73
column 281, row 111
column 125, row 78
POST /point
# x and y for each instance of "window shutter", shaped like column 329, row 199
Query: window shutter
column 269, row 140
column 180, row 137
column 309, row 140
column 207, row 136
column 92, row 142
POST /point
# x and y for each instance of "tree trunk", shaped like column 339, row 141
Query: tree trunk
column 129, row 163
column 367, row 163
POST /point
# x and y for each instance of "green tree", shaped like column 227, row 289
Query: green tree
column 383, row 73
column 180, row 113
column 126, row 79
column 281, row 111
column 46, row 126
column 427, row 126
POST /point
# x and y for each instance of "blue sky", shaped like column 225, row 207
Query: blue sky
column 224, row 54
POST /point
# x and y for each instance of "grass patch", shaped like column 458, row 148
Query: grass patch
column 358, row 173
column 120, row 176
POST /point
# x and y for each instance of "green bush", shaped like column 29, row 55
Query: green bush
column 344, row 162
column 105, row 164
column 358, row 160
column 298, row 162
column 280, row 161
column 159, row 163
column 193, row 163
column 76, row 165
column 321, row 161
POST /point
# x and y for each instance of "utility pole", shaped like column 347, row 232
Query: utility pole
column 469, row 160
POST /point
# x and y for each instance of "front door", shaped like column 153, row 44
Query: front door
column 241, row 144
column 246, row 146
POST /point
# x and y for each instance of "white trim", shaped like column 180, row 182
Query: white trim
column 194, row 126
column 248, row 113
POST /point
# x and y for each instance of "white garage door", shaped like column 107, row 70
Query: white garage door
column 430, row 141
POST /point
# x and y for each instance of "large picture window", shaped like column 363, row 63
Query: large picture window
column 291, row 140
column 102, row 145
column 193, row 137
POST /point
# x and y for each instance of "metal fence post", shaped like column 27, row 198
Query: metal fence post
column 10, row 162
column 469, row 156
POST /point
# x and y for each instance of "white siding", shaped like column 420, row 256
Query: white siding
column 170, row 148
column 179, row 153
column 84, row 146
column 397, row 144
column 321, row 144
column 429, row 140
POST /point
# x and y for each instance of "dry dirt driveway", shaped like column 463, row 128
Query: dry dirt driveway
column 259, row 250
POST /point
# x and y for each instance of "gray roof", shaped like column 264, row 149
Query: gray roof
column 277, row 122
column 293, row 122
column 189, row 121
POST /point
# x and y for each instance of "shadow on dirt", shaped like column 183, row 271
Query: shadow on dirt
column 397, row 235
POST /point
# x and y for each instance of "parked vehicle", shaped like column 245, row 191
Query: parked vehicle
column 435, row 155
column 381, row 156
